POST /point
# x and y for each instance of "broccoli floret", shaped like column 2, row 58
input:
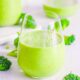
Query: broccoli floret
column 69, row 39
column 71, row 76
column 5, row 64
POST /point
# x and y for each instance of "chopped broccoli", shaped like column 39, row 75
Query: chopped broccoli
column 65, row 23
column 69, row 39
column 71, row 76
column 5, row 64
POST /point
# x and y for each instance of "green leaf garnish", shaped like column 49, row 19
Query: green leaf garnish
column 30, row 22
column 71, row 76
column 69, row 39
column 16, row 40
column 13, row 53
column 65, row 23
column 57, row 26
column 21, row 18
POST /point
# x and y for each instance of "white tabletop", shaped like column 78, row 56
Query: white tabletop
column 72, row 63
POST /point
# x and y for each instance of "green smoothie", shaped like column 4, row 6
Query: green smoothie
column 10, row 11
column 38, row 56
column 60, row 7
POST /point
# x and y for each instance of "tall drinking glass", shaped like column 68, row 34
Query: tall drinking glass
column 40, row 51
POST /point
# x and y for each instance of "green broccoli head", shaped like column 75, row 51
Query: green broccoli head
column 5, row 64
column 71, row 76
column 69, row 39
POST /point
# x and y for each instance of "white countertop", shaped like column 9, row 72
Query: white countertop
column 72, row 52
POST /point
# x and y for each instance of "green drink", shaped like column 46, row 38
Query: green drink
column 38, row 53
column 60, row 7
column 10, row 11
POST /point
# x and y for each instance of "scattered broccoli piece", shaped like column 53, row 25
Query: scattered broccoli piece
column 65, row 23
column 69, row 39
column 5, row 64
column 71, row 76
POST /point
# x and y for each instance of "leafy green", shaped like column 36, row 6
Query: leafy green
column 64, row 23
column 30, row 23
column 71, row 76
column 69, row 39
column 57, row 26
column 16, row 42
column 13, row 53
column 5, row 64
column 21, row 18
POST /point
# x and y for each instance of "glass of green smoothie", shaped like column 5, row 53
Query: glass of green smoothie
column 10, row 11
column 41, row 52
column 61, row 7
